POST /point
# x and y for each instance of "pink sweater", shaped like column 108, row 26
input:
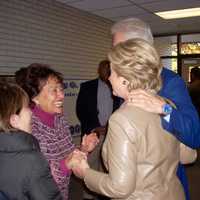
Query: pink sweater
column 52, row 132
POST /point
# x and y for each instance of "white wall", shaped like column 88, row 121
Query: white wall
column 50, row 32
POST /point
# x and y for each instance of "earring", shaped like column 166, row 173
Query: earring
column 36, row 101
column 124, row 82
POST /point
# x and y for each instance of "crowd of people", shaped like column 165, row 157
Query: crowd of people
column 137, row 115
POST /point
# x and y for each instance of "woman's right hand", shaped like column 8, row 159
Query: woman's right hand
column 72, row 160
column 81, row 164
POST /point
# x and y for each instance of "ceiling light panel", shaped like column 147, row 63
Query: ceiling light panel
column 175, row 14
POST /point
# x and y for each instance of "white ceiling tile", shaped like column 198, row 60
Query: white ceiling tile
column 161, row 28
column 175, row 26
column 170, row 5
column 144, row 1
column 67, row 1
column 122, row 11
column 90, row 5
column 147, row 17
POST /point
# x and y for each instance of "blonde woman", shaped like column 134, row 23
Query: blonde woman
column 140, row 156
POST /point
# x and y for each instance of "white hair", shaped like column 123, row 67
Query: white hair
column 133, row 28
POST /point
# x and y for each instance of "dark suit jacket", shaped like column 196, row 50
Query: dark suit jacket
column 3, row 196
column 86, row 106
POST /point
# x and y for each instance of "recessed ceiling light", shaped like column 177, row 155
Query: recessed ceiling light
column 174, row 14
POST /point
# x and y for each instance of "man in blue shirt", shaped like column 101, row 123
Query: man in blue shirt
column 173, row 102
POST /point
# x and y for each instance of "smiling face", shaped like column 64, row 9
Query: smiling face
column 51, row 97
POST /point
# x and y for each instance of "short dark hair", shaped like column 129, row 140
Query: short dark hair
column 195, row 71
column 104, row 70
column 34, row 77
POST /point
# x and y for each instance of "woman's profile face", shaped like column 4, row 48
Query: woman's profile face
column 23, row 119
column 51, row 97
column 119, row 89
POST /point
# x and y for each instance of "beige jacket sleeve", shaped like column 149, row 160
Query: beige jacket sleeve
column 187, row 155
column 121, row 156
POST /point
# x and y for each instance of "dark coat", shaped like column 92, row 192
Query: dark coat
column 24, row 172
column 3, row 196
column 194, row 90
column 86, row 106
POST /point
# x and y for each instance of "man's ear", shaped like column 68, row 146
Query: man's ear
column 14, row 120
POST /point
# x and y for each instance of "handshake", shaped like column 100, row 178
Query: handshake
column 77, row 160
column 77, row 157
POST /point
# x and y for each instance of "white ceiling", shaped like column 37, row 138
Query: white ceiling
column 143, row 9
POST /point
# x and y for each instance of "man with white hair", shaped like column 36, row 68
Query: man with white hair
column 173, row 102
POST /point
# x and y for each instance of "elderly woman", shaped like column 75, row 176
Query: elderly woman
column 44, row 87
column 140, row 156
column 24, row 171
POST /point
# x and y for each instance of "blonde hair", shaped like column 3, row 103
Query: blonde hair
column 13, row 98
column 137, row 61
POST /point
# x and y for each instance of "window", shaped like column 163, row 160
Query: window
column 170, row 63
column 166, row 46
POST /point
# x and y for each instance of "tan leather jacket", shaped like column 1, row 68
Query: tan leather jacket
column 141, row 159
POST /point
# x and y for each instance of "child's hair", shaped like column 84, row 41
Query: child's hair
column 12, row 99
